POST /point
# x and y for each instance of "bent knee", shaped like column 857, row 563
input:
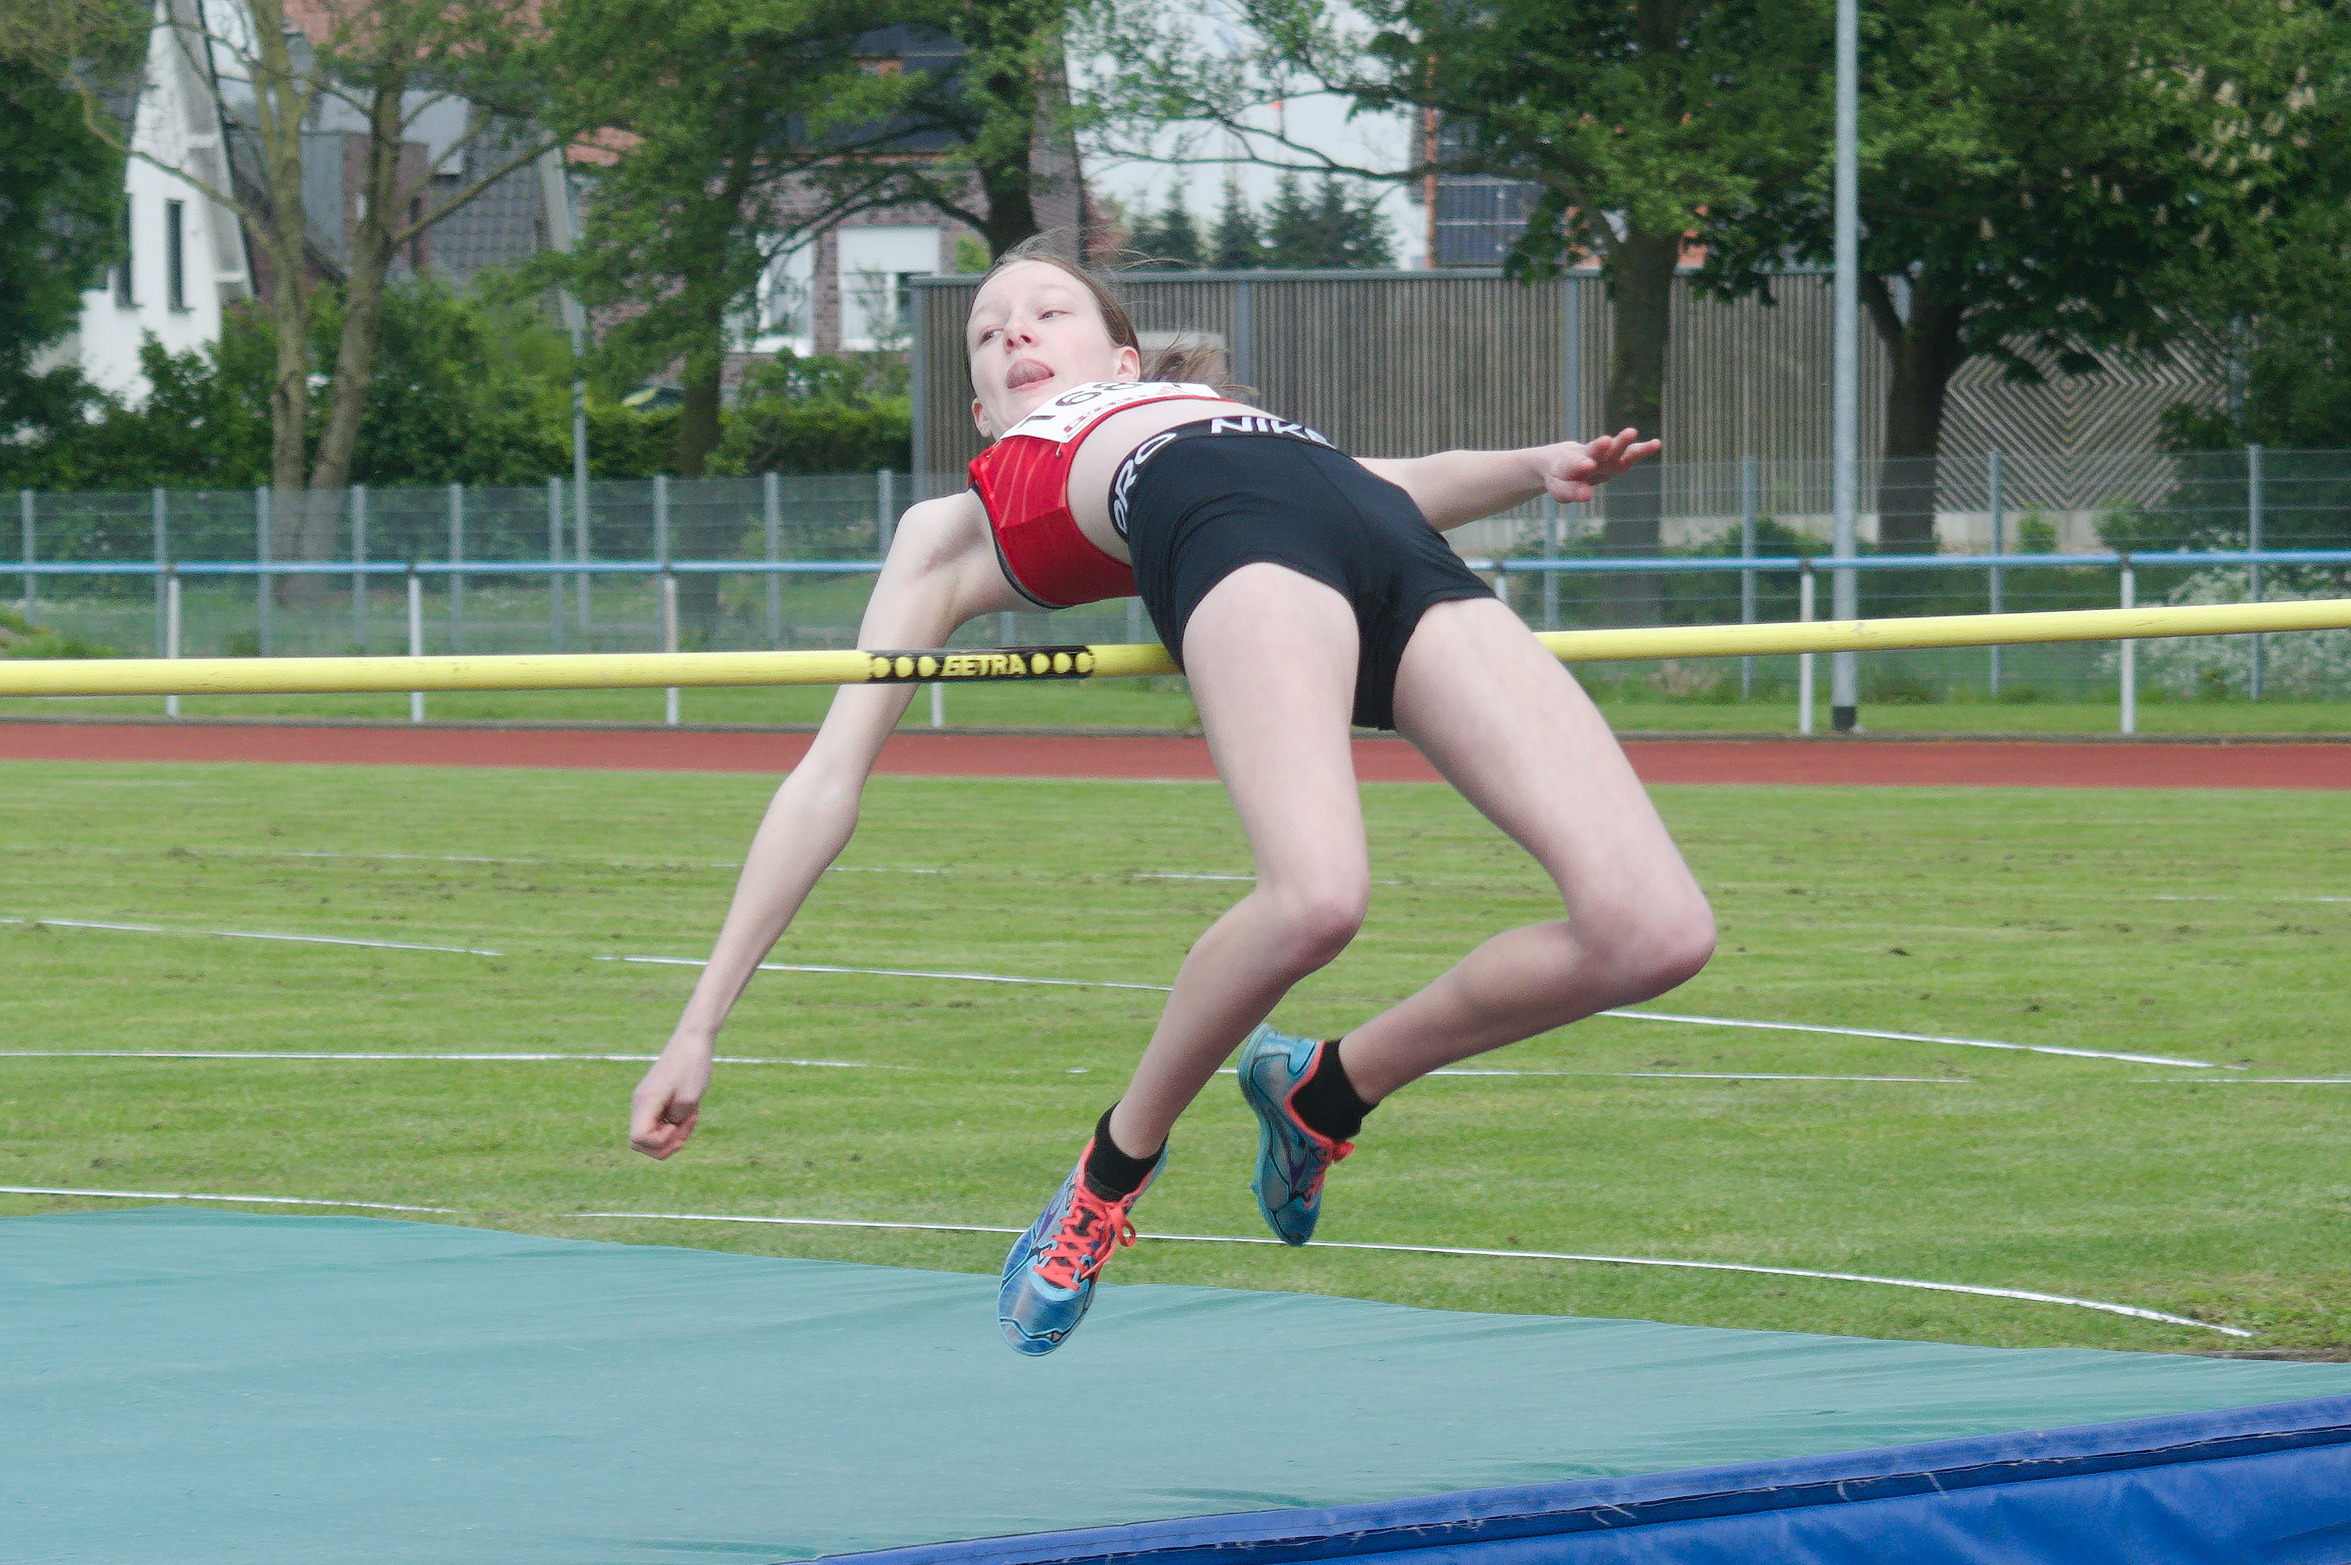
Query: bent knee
column 1661, row 949
column 1316, row 922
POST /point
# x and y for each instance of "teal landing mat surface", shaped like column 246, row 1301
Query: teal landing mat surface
column 200, row 1387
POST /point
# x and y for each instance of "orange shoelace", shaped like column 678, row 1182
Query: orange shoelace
column 1090, row 1232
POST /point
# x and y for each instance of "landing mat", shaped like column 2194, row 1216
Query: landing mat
column 204, row 1387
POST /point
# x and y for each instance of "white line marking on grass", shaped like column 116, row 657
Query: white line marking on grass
column 2026, row 1294
column 901, row 972
column 1910, row 1037
column 292, row 1054
column 1637, row 1016
column 2259, row 1081
column 251, row 934
column 1932, row 1081
column 176, row 1195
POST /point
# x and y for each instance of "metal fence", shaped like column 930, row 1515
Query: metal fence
column 786, row 562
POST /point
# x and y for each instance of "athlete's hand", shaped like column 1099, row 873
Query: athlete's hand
column 1573, row 469
column 668, row 1101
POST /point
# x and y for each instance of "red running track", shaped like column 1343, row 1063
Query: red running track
column 1876, row 761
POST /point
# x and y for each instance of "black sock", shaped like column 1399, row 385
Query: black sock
column 1326, row 1100
column 1111, row 1173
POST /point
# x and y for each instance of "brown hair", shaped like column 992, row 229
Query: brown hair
column 1186, row 358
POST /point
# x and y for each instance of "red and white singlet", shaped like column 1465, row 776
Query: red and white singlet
column 1023, row 484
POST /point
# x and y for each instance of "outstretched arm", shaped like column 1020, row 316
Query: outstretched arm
column 941, row 572
column 1453, row 487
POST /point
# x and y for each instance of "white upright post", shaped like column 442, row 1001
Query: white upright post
column 1804, row 594
column 938, row 705
column 1550, row 553
column 1845, row 390
column 2129, row 659
column 171, row 631
column 415, row 638
column 885, row 493
column 669, row 641
column 26, row 507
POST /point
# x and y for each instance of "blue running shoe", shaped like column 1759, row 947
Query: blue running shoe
column 1049, row 1274
column 1292, row 1157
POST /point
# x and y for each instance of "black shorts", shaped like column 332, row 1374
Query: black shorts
column 1200, row 501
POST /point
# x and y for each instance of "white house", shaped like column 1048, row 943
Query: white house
column 186, row 259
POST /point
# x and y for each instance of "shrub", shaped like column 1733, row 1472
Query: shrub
column 2307, row 663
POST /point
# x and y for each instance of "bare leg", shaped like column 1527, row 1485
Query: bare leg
column 1271, row 655
column 1511, row 729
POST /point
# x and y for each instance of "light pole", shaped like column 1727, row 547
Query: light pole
column 1845, row 431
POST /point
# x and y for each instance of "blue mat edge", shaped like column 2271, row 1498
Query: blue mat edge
column 1487, row 1516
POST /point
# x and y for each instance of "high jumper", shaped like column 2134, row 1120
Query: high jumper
column 1301, row 590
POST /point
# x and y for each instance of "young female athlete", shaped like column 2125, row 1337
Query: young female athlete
column 1299, row 589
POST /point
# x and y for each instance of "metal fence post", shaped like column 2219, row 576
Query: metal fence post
column 1747, row 577
column 25, row 504
column 1242, row 353
column 2128, row 659
column 415, row 637
column 660, row 537
column 885, row 497
column 554, row 558
column 669, row 640
column 1992, row 476
column 456, row 578
column 264, row 586
column 579, row 549
column 2253, row 518
column 1550, row 552
column 938, row 705
column 171, row 629
column 158, row 514
column 771, row 510
column 1804, row 597
column 359, row 577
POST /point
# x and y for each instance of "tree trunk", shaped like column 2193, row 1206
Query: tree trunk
column 701, row 531
column 1924, row 346
column 279, row 107
column 1640, row 271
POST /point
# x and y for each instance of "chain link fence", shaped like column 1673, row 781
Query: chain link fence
column 269, row 574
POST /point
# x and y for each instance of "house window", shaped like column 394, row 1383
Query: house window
column 122, row 268
column 876, row 266
column 175, row 255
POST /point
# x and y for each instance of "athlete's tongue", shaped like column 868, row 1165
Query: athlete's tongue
column 1026, row 372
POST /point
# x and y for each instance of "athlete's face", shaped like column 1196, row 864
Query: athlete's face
column 1035, row 331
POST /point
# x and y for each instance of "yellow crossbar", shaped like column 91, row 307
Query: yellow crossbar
column 656, row 670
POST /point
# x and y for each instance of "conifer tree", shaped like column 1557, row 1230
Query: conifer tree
column 1169, row 240
column 1235, row 245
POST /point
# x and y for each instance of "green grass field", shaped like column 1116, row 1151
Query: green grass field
column 2203, row 925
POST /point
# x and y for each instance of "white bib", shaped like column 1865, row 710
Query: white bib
column 1066, row 415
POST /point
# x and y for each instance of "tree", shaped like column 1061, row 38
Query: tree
column 1170, row 240
column 1234, row 244
column 1329, row 229
column 274, row 67
column 2034, row 182
column 61, row 196
column 743, row 127
column 1633, row 118
column 988, row 134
